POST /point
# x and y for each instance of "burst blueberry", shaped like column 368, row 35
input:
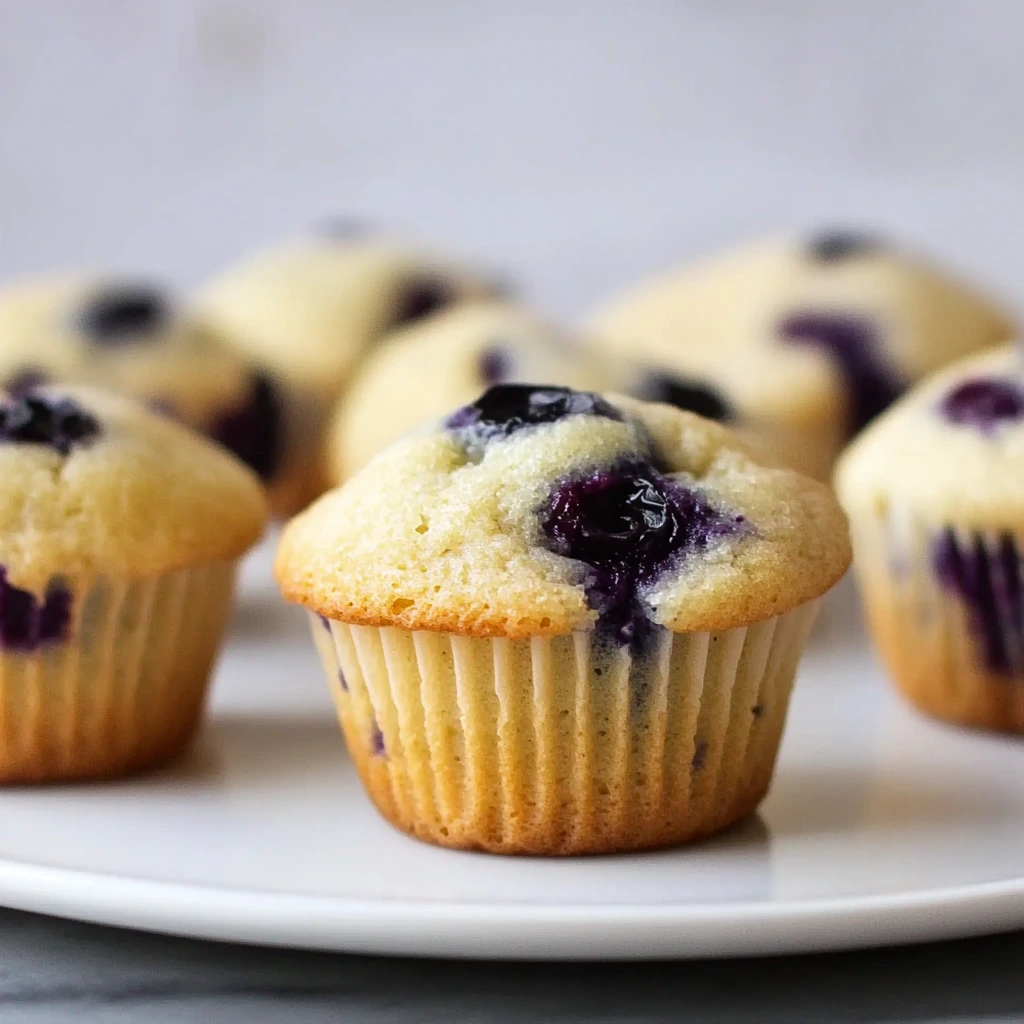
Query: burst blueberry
column 689, row 395
column 984, row 403
column 254, row 430
column 25, row 380
column 27, row 622
column 58, row 423
column 629, row 524
column 852, row 343
column 124, row 314
column 506, row 408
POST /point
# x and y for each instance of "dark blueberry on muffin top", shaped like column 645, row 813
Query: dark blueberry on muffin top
column 506, row 408
column 629, row 524
column 835, row 246
column 689, row 395
column 984, row 403
column 59, row 423
column 422, row 297
column 495, row 365
column 123, row 314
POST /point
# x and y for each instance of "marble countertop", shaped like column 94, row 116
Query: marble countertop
column 58, row 971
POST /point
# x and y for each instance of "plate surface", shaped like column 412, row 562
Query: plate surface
column 881, row 827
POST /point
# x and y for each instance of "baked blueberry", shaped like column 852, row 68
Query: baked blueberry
column 506, row 408
column 689, row 395
column 28, row 622
column 628, row 524
column 989, row 585
column 984, row 403
column 852, row 343
column 254, row 431
column 59, row 423
column 123, row 314
column 423, row 297
column 835, row 246
column 495, row 365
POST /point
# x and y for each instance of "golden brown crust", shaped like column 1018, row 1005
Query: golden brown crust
column 424, row 540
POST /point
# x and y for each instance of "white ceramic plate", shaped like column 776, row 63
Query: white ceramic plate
column 881, row 827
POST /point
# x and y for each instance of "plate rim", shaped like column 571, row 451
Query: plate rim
column 528, row 931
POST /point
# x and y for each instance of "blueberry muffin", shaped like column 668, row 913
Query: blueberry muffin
column 135, row 338
column 935, row 494
column 562, row 622
column 308, row 311
column 119, row 535
column 806, row 340
column 429, row 368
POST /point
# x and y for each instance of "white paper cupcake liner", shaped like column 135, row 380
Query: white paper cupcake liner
column 126, row 688
column 556, row 745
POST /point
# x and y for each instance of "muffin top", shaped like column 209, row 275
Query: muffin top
column 804, row 331
column 952, row 450
column 428, row 368
column 128, row 336
column 308, row 308
column 541, row 510
column 93, row 483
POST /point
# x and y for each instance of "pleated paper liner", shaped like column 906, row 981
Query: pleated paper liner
column 944, row 605
column 554, row 745
column 126, row 689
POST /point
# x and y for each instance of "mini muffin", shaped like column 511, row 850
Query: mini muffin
column 134, row 338
column 421, row 372
column 806, row 341
column 309, row 310
column 559, row 622
column 119, row 535
column 935, row 494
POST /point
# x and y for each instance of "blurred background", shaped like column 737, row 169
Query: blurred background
column 575, row 144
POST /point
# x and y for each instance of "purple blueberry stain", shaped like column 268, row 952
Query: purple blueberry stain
column 325, row 622
column 690, row 395
column 504, row 409
column 985, row 403
column 123, row 314
column 27, row 622
column 835, row 246
column 700, row 756
column 988, row 582
column 629, row 524
column 254, row 430
column 25, row 380
column 852, row 343
column 58, row 423
column 342, row 681
column 377, row 748
column 757, row 711
column 495, row 365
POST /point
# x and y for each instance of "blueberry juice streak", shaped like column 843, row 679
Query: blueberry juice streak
column 630, row 524
column 852, row 343
column 987, row 580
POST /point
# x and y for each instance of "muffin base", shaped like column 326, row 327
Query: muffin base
column 557, row 746
column 126, row 690
column 923, row 631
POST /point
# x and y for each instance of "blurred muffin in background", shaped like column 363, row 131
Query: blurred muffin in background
column 430, row 368
column 935, row 495
column 308, row 310
column 425, row 370
column 134, row 338
column 806, row 340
